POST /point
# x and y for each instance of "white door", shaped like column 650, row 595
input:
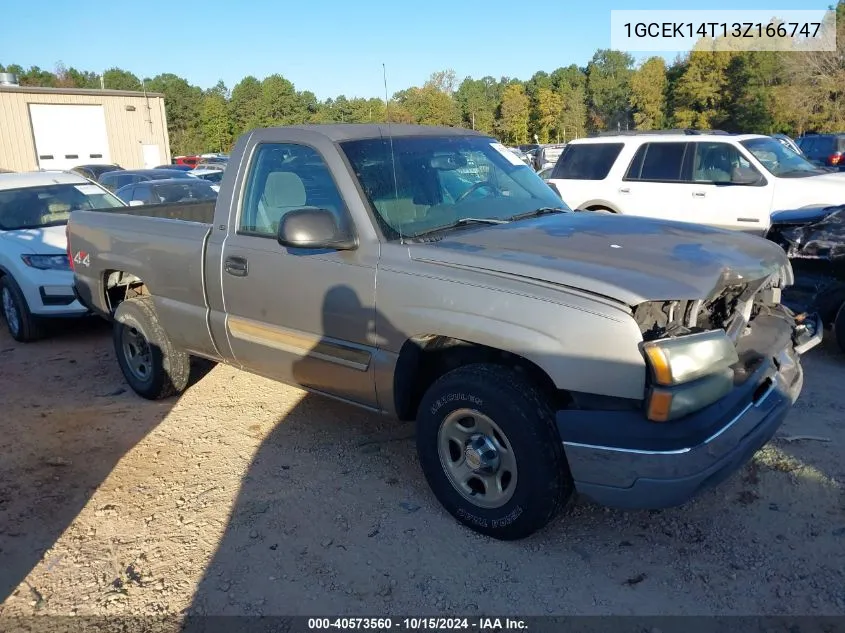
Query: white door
column 654, row 185
column 152, row 156
column 725, row 193
column 69, row 135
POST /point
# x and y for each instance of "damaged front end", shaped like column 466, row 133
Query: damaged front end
column 698, row 351
column 814, row 241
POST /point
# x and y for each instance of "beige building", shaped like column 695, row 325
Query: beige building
column 60, row 128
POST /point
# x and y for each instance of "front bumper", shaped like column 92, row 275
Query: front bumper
column 620, row 459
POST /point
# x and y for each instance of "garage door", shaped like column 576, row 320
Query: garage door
column 69, row 135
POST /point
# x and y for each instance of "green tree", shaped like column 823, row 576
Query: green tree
column 215, row 125
column 429, row 106
column 477, row 102
column 700, row 94
column 119, row 79
column 573, row 116
column 515, row 111
column 548, row 113
column 279, row 103
column 648, row 94
column 244, row 105
column 608, row 89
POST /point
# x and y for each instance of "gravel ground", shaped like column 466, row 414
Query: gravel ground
column 249, row 497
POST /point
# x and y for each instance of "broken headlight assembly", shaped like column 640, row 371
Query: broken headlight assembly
column 688, row 373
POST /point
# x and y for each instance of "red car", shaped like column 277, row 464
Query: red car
column 191, row 161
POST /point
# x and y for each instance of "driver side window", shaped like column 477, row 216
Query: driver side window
column 285, row 177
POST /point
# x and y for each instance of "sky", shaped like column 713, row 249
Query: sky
column 329, row 47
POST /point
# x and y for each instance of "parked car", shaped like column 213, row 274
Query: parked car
column 547, row 155
column 814, row 241
column 36, row 281
column 824, row 150
column 788, row 142
column 93, row 172
column 191, row 161
column 214, row 176
column 540, row 351
column 724, row 180
column 166, row 191
column 114, row 180
column 216, row 166
column 176, row 167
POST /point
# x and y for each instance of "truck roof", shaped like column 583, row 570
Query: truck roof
column 38, row 179
column 356, row 131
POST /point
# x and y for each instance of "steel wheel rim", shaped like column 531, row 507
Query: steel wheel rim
column 478, row 458
column 10, row 311
column 136, row 352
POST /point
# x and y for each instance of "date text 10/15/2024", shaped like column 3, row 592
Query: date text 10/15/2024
column 481, row 624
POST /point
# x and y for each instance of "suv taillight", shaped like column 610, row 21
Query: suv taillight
column 835, row 159
column 67, row 239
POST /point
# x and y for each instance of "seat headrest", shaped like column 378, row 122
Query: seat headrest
column 284, row 189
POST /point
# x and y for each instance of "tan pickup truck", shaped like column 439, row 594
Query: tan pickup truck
column 429, row 274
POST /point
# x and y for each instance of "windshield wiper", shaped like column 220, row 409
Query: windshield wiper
column 461, row 222
column 538, row 212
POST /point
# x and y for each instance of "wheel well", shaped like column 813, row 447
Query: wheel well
column 120, row 286
column 422, row 360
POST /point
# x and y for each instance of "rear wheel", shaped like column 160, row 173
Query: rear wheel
column 489, row 448
column 151, row 365
column 22, row 325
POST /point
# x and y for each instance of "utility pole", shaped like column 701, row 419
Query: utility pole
column 473, row 120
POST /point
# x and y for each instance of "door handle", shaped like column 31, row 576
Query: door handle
column 748, row 220
column 625, row 190
column 236, row 266
column 698, row 194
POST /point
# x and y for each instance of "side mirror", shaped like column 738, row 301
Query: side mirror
column 554, row 188
column 746, row 176
column 316, row 229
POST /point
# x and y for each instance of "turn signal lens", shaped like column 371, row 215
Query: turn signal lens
column 659, row 364
column 659, row 406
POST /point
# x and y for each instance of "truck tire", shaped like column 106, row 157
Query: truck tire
column 839, row 328
column 149, row 362
column 489, row 448
column 23, row 326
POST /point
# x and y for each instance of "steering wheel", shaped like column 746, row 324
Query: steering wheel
column 493, row 188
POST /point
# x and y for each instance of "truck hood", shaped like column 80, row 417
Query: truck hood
column 629, row 259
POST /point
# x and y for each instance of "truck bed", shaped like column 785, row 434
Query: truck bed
column 200, row 211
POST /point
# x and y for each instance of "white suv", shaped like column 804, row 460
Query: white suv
column 35, row 276
column 724, row 180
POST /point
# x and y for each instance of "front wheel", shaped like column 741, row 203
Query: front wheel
column 151, row 365
column 22, row 324
column 489, row 448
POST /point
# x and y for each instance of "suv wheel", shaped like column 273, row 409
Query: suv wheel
column 22, row 325
column 489, row 448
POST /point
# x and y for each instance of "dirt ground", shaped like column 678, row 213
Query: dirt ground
column 248, row 497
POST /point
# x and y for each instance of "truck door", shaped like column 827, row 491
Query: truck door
column 296, row 315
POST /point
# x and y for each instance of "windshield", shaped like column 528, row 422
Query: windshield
column 439, row 181
column 779, row 160
column 50, row 205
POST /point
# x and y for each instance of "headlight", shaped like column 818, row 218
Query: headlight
column 683, row 359
column 690, row 372
column 47, row 262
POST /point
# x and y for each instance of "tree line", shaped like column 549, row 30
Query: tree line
column 737, row 91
